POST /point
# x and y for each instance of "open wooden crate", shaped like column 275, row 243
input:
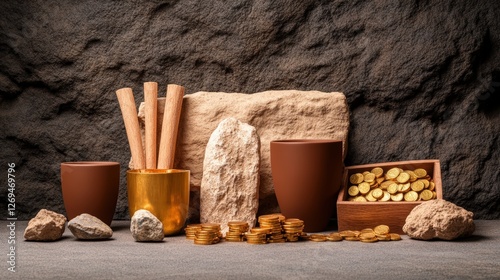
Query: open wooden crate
column 359, row 215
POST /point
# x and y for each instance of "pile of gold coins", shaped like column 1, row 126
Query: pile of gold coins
column 395, row 185
column 274, row 228
column 368, row 235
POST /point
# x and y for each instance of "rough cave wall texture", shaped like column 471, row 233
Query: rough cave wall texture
column 422, row 79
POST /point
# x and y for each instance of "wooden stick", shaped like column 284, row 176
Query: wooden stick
column 129, row 113
column 150, row 102
column 170, row 126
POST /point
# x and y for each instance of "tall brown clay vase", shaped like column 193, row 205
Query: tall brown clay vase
column 90, row 187
column 307, row 177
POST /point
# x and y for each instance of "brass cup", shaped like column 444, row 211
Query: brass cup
column 164, row 193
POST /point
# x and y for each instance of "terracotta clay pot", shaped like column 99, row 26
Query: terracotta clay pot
column 90, row 187
column 307, row 178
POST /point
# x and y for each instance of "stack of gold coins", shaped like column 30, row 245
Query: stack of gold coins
column 395, row 185
column 293, row 229
column 256, row 237
column 237, row 230
column 272, row 222
column 208, row 234
column 191, row 230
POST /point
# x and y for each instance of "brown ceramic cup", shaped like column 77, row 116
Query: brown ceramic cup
column 307, row 178
column 90, row 187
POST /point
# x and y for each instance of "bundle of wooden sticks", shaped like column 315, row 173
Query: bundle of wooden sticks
column 151, row 157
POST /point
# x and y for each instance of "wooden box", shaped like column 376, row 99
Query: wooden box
column 359, row 215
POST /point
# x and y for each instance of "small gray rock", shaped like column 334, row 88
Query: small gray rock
column 439, row 219
column 146, row 227
column 45, row 226
column 88, row 227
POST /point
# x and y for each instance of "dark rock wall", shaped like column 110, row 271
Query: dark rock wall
column 422, row 79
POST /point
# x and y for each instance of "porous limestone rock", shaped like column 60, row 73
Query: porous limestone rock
column 45, row 226
column 282, row 114
column 146, row 227
column 88, row 227
column 439, row 219
column 230, row 183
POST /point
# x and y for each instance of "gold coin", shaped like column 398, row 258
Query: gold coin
column 369, row 177
column 432, row 186
column 380, row 180
column 392, row 188
column 384, row 237
column 417, row 186
column 426, row 195
column 367, row 235
column 434, row 195
column 366, row 230
column 317, row 237
column 420, row 172
column 385, row 184
column 353, row 191
column 377, row 193
column 386, row 197
column 360, row 199
column 334, row 236
column 371, row 240
column 260, row 230
column 393, row 173
column 395, row 236
column 351, row 238
column 413, row 176
column 364, row 188
column 397, row 197
column 293, row 221
column 369, row 197
column 381, row 229
column 425, row 182
column 269, row 218
column 403, row 177
column 378, row 172
column 203, row 242
column 411, row 196
column 404, row 188
column 356, row 178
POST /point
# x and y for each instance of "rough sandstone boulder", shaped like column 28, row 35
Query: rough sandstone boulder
column 275, row 115
column 45, row 226
column 439, row 219
column 146, row 227
column 230, row 183
column 88, row 227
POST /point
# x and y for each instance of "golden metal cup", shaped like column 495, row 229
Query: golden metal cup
column 163, row 192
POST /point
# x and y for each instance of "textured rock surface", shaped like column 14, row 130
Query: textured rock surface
column 45, row 226
column 422, row 79
column 439, row 219
column 275, row 115
column 146, row 227
column 88, row 227
column 230, row 183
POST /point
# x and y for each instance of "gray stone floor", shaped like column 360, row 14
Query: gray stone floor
column 121, row 257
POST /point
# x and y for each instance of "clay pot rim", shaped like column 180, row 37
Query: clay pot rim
column 90, row 163
column 157, row 171
column 304, row 141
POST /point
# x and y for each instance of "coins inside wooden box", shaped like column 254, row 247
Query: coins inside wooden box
column 395, row 185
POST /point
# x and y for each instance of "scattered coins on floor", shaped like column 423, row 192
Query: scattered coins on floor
column 395, row 185
column 275, row 228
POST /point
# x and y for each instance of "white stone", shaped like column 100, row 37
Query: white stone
column 146, row 227
column 230, row 183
